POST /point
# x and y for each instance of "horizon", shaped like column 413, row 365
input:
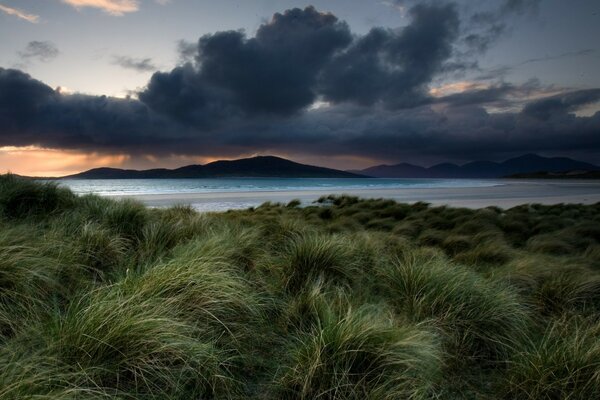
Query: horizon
column 338, row 84
column 357, row 171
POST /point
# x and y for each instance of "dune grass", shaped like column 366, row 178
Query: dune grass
column 480, row 320
column 343, row 299
column 362, row 353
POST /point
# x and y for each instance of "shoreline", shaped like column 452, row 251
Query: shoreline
column 506, row 195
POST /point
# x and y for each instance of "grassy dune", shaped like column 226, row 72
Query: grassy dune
column 346, row 299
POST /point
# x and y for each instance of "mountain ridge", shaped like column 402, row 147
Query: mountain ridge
column 527, row 163
column 277, row 167
column 254, row 167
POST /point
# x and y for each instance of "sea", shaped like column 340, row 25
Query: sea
column 120, row 187
column 239, row 193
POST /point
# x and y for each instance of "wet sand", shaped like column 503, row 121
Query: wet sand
column 508, row 194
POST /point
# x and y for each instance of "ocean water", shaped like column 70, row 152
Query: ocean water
column 118, row 187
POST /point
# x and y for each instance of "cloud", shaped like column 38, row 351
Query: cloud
column 299, row 57
column 31, row 113
column 304, row 85
column 112, row 7
column 39, row 50
column 393, row 66
column 34, row 19
column 274, row 72
column 484, row 27
column 560, row 105
column 136, row 64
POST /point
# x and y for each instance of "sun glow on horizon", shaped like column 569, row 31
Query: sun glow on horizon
column 39, row 161
column 48, row 162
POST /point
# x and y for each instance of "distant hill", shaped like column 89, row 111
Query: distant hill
column 558, row 175
column 528, row 163
column 263, row 166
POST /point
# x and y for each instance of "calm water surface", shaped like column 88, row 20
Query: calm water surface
column 116, row 187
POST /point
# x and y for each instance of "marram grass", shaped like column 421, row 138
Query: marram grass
column 343, row 299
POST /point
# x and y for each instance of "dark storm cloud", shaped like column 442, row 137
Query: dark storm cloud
column 393, row 66
column 560, row 105
column 39, row 50
column 301, row 55
column 136, row 64
column 274, row 72
column 32, row 113
column 418, row 134
column 238, row 94
column 482, row 24
column 20, row 99
column 186, row 50
column 465, row 133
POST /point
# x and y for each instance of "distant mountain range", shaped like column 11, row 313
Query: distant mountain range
column 263, row 166
column 526, row 164
column 529, row 165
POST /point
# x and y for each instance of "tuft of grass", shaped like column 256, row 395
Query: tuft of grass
column 491, row 251
column 481, row 320
column 161, row 234
column 549, row 244
column 200, row 286
column 126, row 217
column 132, row 344
column 294, row 203
column 563, row 363
column 454, row 244
column 362, row 353
column 308, row 257
column 99, row 250
column 431, row 237
column 28, row 278
column 21, row 198
column 560, row 292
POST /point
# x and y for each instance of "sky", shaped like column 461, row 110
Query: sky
column 339, row 83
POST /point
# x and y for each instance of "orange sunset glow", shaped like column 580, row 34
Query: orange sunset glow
column 37, row 161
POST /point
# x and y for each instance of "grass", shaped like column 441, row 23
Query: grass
column 343, row 299
column 359, row 353
column 480, row 320
column 562, row 363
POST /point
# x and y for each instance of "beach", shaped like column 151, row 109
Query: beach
column 505, row 195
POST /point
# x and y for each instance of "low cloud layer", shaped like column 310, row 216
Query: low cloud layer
column 304, row 85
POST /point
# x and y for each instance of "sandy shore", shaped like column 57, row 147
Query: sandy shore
column 507, row 195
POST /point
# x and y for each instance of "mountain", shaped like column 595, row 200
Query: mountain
column 263, row 166
column 528, row 163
